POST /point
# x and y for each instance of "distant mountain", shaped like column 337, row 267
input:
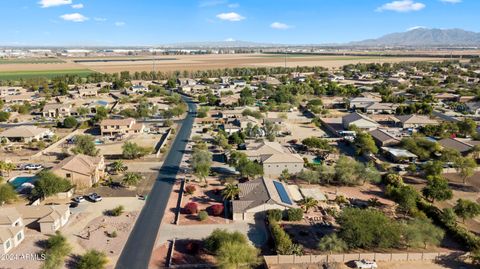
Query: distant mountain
column 424, row 37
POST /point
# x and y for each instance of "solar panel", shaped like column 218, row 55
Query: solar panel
column 282, row 192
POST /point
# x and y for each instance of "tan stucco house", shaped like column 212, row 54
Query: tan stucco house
column 82, row 170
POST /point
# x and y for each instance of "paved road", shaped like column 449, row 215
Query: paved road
column 138, row 249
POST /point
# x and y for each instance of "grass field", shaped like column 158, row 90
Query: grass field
column 31, row 61
column 16, row 75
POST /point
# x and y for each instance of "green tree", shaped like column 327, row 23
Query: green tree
column 466, row 209
column 49, row 184
column 7, row 194
column 421, row 232
column 406, row 197
column 307, row 203
column 309, row 176
column 131, row 179
column 332, row 243
column 249, row 168
column 467, row 127
column 433, row 168
column 218, row 237
column 449, row 217
column 201, row 162
column 6, row 167
column 92, row 259
column 119, row 167
column 57, row 248
column 465, row 167
column 365, row 144
column 234, row 255
column 70, row 122
column 84, row 144
column 101, row 114
column 317, row 143
column 131, row 150
column 4, row 116
column 230, row 191
column 437, row 189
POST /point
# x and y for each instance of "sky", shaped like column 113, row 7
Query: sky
column 158, row 22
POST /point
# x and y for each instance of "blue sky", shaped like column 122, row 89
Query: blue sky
column 154, row 22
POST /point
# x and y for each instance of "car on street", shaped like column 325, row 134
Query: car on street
column 94, row 197
column 365, row 264
column 32, row 166
column 79, row 199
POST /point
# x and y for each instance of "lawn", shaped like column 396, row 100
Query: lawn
column 16, row 75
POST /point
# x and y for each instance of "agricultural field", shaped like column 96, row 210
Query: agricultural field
column 27, row 74
column 31, row 61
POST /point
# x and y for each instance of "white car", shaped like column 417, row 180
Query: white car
column 95, row 197
column 32, row 166
column 365, row 264
column 79, row 199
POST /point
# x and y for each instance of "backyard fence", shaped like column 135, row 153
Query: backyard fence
column 385, row 257
column 179, row 202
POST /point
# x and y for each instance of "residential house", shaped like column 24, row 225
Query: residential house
column 45, row 218
column 474, row 108
column 383, row 138
column 399, row 155
column 381, row 108
column 7, row 90
column 362, row 102
column 360, row 121
column 26, row 133
column 258, row 196
column 81, row 170
column 54, row 110
column 88, row 92
column 112, row 127
column 186, row 82
column 274, row 158
column 11, row 230
column 19, row 98
column 463, row 146
column 414, row 121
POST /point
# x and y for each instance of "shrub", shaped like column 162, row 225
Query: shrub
column 217, row 209
column 202, row 215
column 190, row 189
column 294, row 214
column 117, row 211
column 218, row 237
column 274, row 215
column 70, row 122
column 283, row 242
column 92, row 259
column 191, row 208
column 112, row 234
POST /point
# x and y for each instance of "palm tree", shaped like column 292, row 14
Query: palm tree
column 332, row 243
column 131, row 179
column 307, row 203
column 119, row 167
column 230, row 192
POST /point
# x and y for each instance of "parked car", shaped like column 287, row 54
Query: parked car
column 79, row 199
column 32, row 166
column 94, row 197
column 365, row 264
column 73, row 204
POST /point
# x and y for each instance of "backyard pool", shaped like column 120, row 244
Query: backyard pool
column 18, row 181
column 317, row 160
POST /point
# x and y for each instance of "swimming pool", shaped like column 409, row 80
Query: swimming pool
column 317, row 160
column 19, row 180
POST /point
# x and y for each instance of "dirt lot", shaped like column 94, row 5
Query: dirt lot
column 204, row 62
column 386, row 265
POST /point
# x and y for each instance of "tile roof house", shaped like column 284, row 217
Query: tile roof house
column 54, row 110
column 274, row 158
column 81, row 170
column 414, row 121
column 464, row 147
column 26, row 133
column 360, row 121
column 45, row 218
column 381, row 108
column 111, row 127
column 11, row 229
column 384, row 139
column 258, row 196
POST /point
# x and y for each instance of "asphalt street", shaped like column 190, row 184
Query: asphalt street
column 137, row 251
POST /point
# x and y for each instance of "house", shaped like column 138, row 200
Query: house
column 399, row 155
column 360, row 121
column 19, row 98
column 54, row 110
column 258, row 196
column 239, row 83
column 81, row 170
column 7, row 90
column 384, row 139
column 230, row 128
column 362, row 102
column 112, row 127
column 26, row 133
column 381, row 108
column 274, row 158
column 47, row 218
column 272, row 81
column 11, row 230
column 186, row 82
column 463, row 146
column 229, row 100
column 446, row 96
column 87, row 92
column 414, row 121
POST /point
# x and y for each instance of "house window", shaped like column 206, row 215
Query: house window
column 19, row 236
column 7, row 244
column 68, row 175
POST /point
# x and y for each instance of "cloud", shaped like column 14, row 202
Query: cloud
column 451, row 1
column 280, row 26
column 74, row 17
column 402, row 6
column 77, row 6
column 99, row 19
column 54, row 3
column 416, row 27
column 120, row 23
column 230, row 16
